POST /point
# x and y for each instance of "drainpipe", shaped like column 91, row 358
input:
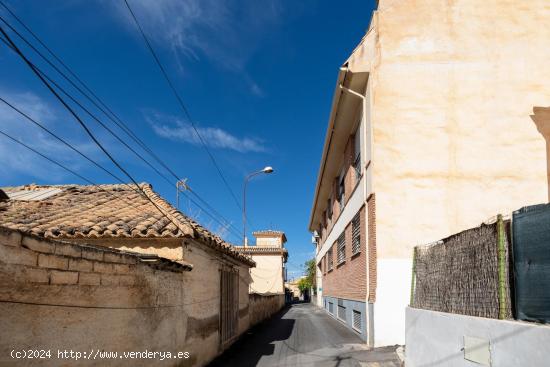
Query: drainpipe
column 370, row 308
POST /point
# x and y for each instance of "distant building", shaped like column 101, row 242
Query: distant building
column 270, row 256
column 268, row 276
column 294, row 290
column 439, row 120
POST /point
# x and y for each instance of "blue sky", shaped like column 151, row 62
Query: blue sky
column 256, row 76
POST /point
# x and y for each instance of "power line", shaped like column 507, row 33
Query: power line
column 60, row 139
column 80, row 153
column 182, row 105
column 84, row 126
column 111, row 114
column 227, row 224
column 67, row 169
column 82, row 106
column 120, row 123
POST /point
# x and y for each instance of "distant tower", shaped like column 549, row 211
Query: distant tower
column 270, row 238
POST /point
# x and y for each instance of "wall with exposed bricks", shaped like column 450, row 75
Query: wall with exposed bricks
column 57, row 295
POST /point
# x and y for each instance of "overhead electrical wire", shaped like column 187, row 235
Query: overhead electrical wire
column 84, row 126
column 227, row 224
column 182, row 105
column 65, row 168
column 60, row 139
column 69, row 145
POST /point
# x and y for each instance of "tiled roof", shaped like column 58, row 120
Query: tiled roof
column 251, row 250
column 104, row 211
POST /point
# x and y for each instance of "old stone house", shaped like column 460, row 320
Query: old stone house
column 439, row 120
column 118, row 269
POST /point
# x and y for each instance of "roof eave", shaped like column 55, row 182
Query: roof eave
column 335, row 101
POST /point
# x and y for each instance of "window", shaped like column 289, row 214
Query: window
column 331, row 307
column 357, row 167
column 356, row 320
column 356, row 234
column 329, row 210
column 342, row 190
column 341, row 257
column 329, row 259
column 341, row 313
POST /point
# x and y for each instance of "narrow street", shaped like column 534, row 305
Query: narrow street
column 304, row 335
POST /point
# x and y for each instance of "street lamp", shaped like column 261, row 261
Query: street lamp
column 266, row 170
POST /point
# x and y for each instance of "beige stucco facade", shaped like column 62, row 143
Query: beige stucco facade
column 267, row 276
column 270, row 257
column 454, row 96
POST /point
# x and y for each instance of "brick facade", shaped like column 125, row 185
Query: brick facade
column 348, row 279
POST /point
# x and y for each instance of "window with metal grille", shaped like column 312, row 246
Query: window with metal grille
column 356, row 320
column 341, row 313
column 329, row 259
column 341, row 257
column 342, row 190
column 331, row 307
column 356, row 234
column 357, row 167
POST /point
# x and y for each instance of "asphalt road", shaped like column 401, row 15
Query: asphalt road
column 304, row 335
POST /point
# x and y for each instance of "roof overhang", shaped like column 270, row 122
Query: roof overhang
column 352, row 75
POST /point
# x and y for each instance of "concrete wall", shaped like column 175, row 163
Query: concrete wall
column 392, row 298
column 267, row 276
column 436, row 339
column 263, row 307
column 56, row 295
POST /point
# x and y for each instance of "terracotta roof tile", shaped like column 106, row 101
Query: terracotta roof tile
column 104, row 211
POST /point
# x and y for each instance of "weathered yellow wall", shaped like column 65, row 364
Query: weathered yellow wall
column 203, row 289
column 169, row 248
column 269, row 242
column 59, row 296
column 454, row 87
column 263, row 307
column 267, row 276
column 68, row 296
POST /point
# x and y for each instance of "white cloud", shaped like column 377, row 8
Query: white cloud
column 17, row 159
column 173, row 128
column 226, row 33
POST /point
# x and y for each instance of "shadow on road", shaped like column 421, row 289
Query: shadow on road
column 253, row 345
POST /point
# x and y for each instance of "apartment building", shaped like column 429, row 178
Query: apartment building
column 438, row 121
